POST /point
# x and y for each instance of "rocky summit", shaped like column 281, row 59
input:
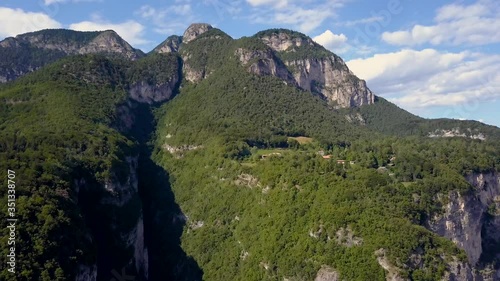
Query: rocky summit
column 290, row 56
column 215, row 158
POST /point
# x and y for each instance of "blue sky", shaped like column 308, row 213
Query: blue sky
column 432, row 58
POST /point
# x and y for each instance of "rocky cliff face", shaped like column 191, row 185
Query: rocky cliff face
column 195, row 30
column 192, row 74
column 86, row 273
column 114, row 208
column 171, row 45
column 323, row 73
column 331, row 77
column 472, row 222
column 145, row 92
column 28, row 52
column 285, row 41
column 264, row 62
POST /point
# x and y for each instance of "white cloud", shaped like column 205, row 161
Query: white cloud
column 170, row 20
column 51, row 2
column 17, row 21
column 131, row 31
column 426, row 78
column 337, row 43
column 182, row 10
column 361, row 21
column 475, row 24
column 276, row 3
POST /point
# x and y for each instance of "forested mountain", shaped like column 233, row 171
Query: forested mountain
column 259, row 158
column 30, row 51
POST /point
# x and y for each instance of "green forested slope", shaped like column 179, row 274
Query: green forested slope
column 267, row 219
column 253, row 203
column 55, row 128
column 389, row 119
column 58, row 130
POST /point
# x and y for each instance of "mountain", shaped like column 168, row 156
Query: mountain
column 387, row 118
column 259, row 158
column 289, row 55
column 28, row 52
column 316, row 69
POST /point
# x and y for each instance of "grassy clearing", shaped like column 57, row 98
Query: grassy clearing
column 261, row 152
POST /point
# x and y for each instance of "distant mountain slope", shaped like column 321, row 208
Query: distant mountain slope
column 387, row 118
column 27, row 52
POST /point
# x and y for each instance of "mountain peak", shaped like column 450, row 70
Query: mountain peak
column 170, row 45
column 29, row 51
column 195, row 30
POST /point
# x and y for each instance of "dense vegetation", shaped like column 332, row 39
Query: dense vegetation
column 387, row 118
column 250, row 218
column 25, row 59
column 225, row 186
column 64, row 36
column 55, row 131
column 30, row 51
column 154, row 69
column 60, row 136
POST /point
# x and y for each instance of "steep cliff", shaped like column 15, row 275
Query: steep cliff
column 154, row 78
column 114, row 215
column 264, row 62
column 472, row 221
column 317, row 70
column 28, row 52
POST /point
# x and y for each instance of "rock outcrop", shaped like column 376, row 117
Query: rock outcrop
column 290, row 56
column 318, row 70
column 192, row 74
column 331, row 77
column 286, row 40
column 195, row 30
column 463, row 217
column 472, row 222
column 86, row 273
column 264, row 62
column 146, row 93
column 171, row 45
column 114, row 207
column 455, row 132
column 392, row 272
column 327, row 273
column 109, row 42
